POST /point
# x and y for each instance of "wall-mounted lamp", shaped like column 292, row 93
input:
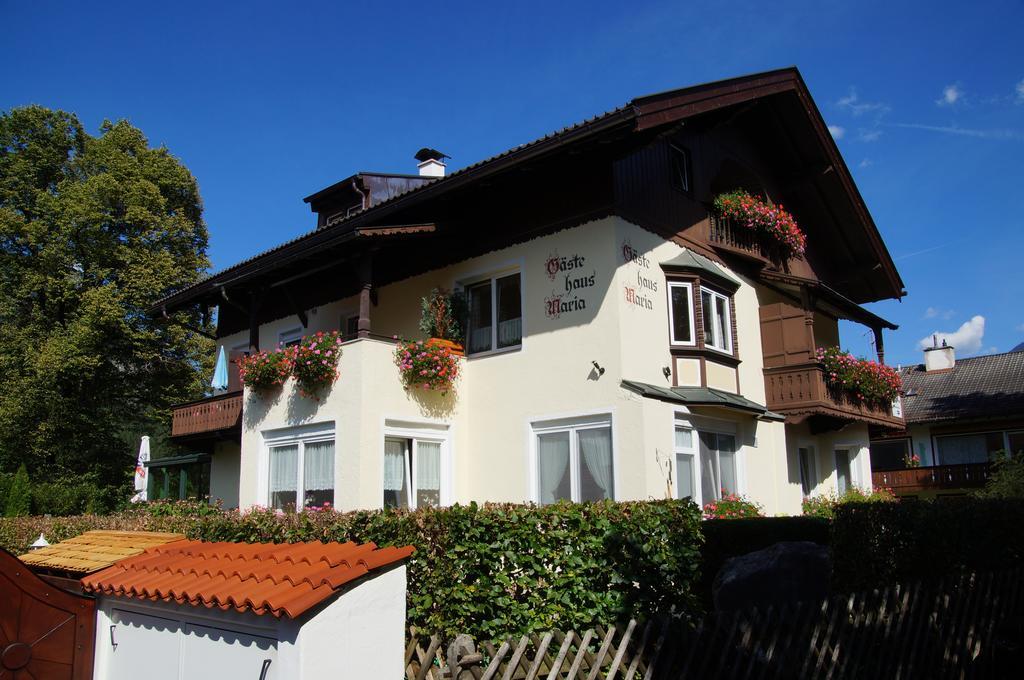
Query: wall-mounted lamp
column 666, row 371
column 598, row 368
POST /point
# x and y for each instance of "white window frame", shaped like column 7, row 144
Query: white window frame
column 699, row 424
column 299, row 436
column 572, row 425
column 692, row 453
column 290, row 335
column 493, row 278
column 432, row 432
column 671, row 315
column 725, row 348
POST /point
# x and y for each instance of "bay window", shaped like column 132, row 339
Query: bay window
column 574, row 461
column 301, row 469
column 717, row 324
column 681, row 312
column 495, row 314
column 412, row 472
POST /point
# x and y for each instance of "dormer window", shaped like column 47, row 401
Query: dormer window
column 700, row 306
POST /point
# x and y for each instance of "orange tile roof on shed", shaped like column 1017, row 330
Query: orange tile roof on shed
column 95, row 550
column 282, row 579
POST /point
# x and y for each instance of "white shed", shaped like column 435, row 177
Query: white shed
column 295, row 611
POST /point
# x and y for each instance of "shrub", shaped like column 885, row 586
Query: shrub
column 442, row 314
column 489, row 570
column 757, row 215
column 824, row 505
column 314, row 362
column 19, row 495
column 732, row 506
column 427, row 365
column 878, row 544
column 1006, row 479
column 864, row 380
column 263, row 371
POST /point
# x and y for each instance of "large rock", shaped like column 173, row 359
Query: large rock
column 785, row 572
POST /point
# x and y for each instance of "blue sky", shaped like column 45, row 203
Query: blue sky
column 268, row 102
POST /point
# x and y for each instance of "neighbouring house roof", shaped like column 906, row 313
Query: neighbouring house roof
column 702, row 396
column 641, row 114
column 977, row 387
column 281, row 579
column 95, row 550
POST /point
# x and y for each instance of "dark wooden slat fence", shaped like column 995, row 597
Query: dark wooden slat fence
column 970, row 626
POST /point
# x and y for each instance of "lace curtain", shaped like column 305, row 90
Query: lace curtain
column 596, row 452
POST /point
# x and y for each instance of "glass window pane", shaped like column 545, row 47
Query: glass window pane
column 595, row 452
column 684, row 475
column 969, row 448
column 709, row 483
column 889, row 455
column 318, row 476
column 1016, row 442
column 681, row 331
column 428, row 474
column 553, row 465
column 807, row 481
column 510, row 312
column 480, row 318
column 727, row 462
column 284, row 478
column 722, row 330
column 843, row 478
column 396, row 487
column 684, row 438
column 707, row 310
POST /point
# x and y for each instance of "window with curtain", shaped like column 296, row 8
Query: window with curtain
column 808, row 470
column 681, row 312
column 412, row 472
column 495, row 314
column 717, row 325
column 684, row 463
column 303, row 470
column 969, row 448
column 575, row 463
column 717, row 465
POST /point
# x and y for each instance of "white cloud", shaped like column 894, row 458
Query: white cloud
column 951, row 94
column 866, row 163
column 858, row 107
column 936, row 313
column 869, row 135
column 1005, row 135
column 1021, row 328
column 1019, row 89
column 966, row 339
column 837, row 131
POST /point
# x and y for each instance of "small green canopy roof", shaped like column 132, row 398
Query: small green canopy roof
column 702, row 396
column 689, row 262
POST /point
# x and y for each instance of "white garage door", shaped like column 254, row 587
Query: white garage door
column 144, row 647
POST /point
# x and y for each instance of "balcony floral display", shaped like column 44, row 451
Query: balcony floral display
column 313, row 363
column 864, row 381
column 771, row 221
column 441, row 318
column 264, row 371
column 426, row 365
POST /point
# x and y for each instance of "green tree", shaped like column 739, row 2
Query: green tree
column 93, row 231
column 1006, row 480
column 19, row 495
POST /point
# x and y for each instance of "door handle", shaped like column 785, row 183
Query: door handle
column 263, row 671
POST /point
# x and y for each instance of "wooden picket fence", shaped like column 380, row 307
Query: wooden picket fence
column 963, row 627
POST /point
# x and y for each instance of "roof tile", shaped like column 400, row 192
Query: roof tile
column 283, row 579
column 988, row 386
column 95, row 550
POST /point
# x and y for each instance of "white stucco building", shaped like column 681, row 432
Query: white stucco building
column 622, row 342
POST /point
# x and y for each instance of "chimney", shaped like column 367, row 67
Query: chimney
column 431, row 162
column 939, row 358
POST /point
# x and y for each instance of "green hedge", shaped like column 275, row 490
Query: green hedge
column 878, row 544
column 489, row 570
column 726, row 538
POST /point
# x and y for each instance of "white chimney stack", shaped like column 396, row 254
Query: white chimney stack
column 939, row 358
column 431, row 162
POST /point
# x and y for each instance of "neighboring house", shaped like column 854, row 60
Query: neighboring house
column 960, row 415
column 623, row 343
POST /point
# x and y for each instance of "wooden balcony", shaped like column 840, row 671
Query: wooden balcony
column 725, row 235
column 932, row 479
column 215, row 415
column 800, row 393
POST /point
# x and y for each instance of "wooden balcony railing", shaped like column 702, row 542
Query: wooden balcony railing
column 724, row 234
column 800, row 390
column 933, row 478
column 222, row 412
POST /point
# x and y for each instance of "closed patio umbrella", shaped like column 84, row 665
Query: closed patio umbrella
column 140, row 473
column 220, row 372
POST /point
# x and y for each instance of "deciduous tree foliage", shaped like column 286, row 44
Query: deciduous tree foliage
column 93, row 231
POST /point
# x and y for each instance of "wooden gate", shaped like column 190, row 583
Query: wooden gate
column 45, row 632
